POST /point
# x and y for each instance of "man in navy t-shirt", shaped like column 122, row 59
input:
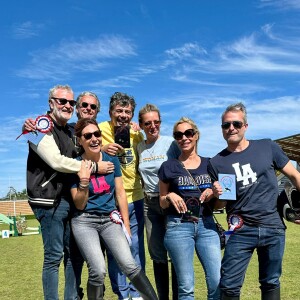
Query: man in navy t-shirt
column 253, row 217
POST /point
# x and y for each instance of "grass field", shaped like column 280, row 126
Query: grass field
column 21, row 265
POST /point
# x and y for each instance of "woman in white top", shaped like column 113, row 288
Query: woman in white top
column 152, row 153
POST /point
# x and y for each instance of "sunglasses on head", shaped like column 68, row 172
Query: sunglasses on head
column 63, row 101
column 85, row 105
column 149, row 123
column 236, row 125
column 89, row 135
column 189, row 133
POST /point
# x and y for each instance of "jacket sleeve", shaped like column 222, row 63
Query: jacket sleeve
column 48, row 150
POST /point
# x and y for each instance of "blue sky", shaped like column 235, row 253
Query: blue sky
column 190, row 58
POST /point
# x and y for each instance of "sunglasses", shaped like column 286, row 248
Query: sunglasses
column 189, row 133
column 149, row 123
column 89, row 135
column 236, row 125
column 63, row 101
column 85, row 105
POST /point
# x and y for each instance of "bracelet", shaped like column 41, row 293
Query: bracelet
column 83, row 186
column 84, row 179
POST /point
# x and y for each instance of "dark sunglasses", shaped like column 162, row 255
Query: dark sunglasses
column 149, row 123
column 89, row 135
column 189, row 133
column 63, row 101
column 236, row 125
column 85, row 105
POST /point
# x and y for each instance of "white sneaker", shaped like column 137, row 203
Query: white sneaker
column 137, row 298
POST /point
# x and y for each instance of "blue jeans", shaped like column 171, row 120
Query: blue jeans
column 56, row 233
column 118, row 280
column 155, row 223
column 269, row 243
column 88, row 229
column 180, row 240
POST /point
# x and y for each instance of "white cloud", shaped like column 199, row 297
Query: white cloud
column 188, row 50
column 59, row 61
column 281, row 4
column 26, row 30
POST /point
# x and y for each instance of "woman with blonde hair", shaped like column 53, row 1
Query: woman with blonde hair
column 185, row 194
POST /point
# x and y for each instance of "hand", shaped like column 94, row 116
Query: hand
column 177, row 202
column 135, row 126
column 85, row 169
column 29, row 125
column 112, row 148
column 206, row 195
column 217, row 189
column 105, row 167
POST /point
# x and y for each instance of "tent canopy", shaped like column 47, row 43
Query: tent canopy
column 291, row 146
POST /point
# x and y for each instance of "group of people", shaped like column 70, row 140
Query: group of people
column 93, row 197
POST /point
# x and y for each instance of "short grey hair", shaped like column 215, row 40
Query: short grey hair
column 53, row 90
column 86, row 93
column 235, row 108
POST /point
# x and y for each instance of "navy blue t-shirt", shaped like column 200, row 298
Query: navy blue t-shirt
column 180, row 182
column 256, row 181
column 101, row 188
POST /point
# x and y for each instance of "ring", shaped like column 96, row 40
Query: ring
column 86, row 165
column 207, row 194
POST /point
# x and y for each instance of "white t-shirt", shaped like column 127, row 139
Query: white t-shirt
column 151, row 156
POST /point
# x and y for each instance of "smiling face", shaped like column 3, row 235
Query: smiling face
column 150, row 123
column 61, row 113
column 234, row 136
column 121, row 115
column 189, row 142
column 87, row 108
column 90, row 139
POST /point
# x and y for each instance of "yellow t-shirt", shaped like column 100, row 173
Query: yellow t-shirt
column 128, row 160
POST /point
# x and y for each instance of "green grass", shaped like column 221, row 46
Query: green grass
column 21, row 265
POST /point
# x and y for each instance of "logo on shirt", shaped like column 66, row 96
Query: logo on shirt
column 100, row 185
column 245, row 174
column 126, row 157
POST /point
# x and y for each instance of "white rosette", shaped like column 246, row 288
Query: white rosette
column 116, row 217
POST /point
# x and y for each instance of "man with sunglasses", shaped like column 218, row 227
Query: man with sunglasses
column 47, row 168
column 121, row 111
column 87, row 106
column 253, row 217
column 49, row 196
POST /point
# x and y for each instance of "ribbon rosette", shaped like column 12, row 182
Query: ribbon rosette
column 234, row 222
column 116, row 217
column 43, row 124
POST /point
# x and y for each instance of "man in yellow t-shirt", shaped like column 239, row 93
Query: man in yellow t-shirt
column 121, row 111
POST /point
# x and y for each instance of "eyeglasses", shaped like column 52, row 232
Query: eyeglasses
column 85, row 105
column 126, row 111
column 236, row 125
column 189, row 133
column 149, row 123
column 63, row 101
column 89, row 135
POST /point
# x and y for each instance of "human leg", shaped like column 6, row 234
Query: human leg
column 119, row 284
column 155, row 232
column 87, row 228
column 180, row 243
column 53, row 222
column 115, row 240
column 209, row 253
column 270, row 253
column 237, row 255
